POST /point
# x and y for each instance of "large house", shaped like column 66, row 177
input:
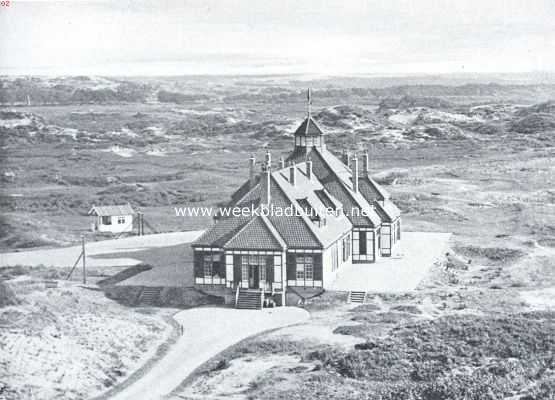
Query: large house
column 306, row 217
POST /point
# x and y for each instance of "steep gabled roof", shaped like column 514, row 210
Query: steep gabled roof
column 243, row 189
column 308, row 128
column 298, row 155
column 371, row 190
column 336, row 178
column 222, row 231
column 331, row 186
column 257, row 234
column 387, row 210
column 326, row 231
column 104, row 211
column 292, row 229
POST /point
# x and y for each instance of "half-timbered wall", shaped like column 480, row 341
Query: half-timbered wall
column 304, row 268
column 269, row 264
column 209, row 266
column 364, row 245
column 216, row 267
column 390, row 237
column 386, row 235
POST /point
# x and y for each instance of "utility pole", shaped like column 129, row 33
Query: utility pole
column 84, row 265
column 140, row 224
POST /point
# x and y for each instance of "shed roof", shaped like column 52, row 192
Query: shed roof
column 104, row 211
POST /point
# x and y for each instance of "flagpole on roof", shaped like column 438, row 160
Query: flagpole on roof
column 309, row 101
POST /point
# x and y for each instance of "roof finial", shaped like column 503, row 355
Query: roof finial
column 308, row 101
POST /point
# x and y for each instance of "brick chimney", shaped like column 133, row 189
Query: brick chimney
column 355, row 174
column 365, row 163
column 268, row 159
column 252, row 162
column 309, row 169
column 345, row 157
column 265, row 196
column 292, row 174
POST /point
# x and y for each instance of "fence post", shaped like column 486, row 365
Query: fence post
column 84, row 263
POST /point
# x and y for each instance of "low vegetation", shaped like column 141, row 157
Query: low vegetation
column 65, row 342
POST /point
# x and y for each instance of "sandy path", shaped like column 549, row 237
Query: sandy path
column 66, row 256
column 207, row 332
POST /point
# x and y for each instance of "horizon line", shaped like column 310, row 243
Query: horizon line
column 4, row 73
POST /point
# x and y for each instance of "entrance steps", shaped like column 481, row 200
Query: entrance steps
column 249, row 299
column 150, row 296
column 356, row 297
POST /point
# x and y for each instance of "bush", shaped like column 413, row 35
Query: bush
column 407, row 308
column 493, row 357
column 499, row 255
column 7, row 296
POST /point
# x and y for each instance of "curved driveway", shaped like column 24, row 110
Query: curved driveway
column 207, row 332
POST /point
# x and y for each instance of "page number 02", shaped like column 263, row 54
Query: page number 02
column 5, row 3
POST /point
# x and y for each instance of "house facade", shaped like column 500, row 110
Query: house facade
column 298, row 222
column 112, row 219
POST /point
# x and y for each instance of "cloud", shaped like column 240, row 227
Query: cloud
column 240, row 36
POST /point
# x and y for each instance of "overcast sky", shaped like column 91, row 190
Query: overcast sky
column 276, row 36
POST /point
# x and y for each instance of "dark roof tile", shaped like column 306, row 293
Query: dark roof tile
column 308, row 128
column 256, row 235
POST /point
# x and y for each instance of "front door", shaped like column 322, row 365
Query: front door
column 254, row 277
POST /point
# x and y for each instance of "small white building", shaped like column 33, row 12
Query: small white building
column 114, row 219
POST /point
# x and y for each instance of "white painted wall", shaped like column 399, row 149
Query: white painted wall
column 328, row 274
column 115, row 227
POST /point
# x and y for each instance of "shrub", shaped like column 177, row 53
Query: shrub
column 7, row 296
column 407, row 308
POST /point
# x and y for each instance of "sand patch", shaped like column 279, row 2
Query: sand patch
column 234, row 381
column 541, row 299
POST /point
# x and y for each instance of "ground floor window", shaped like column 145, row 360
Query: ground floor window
column 121, row 220
column 335, row 257
column 363, row 245
column 362, row 248
column 346, row 247
column 107, row 220
column 209, row 268
column 305, row 268
column 256, row 270
column 386, row 239
column 211, row 264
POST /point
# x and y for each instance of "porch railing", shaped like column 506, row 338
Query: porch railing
column 265, row 286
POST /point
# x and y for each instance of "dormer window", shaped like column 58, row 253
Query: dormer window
column 325, row 199
column 308, row 209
